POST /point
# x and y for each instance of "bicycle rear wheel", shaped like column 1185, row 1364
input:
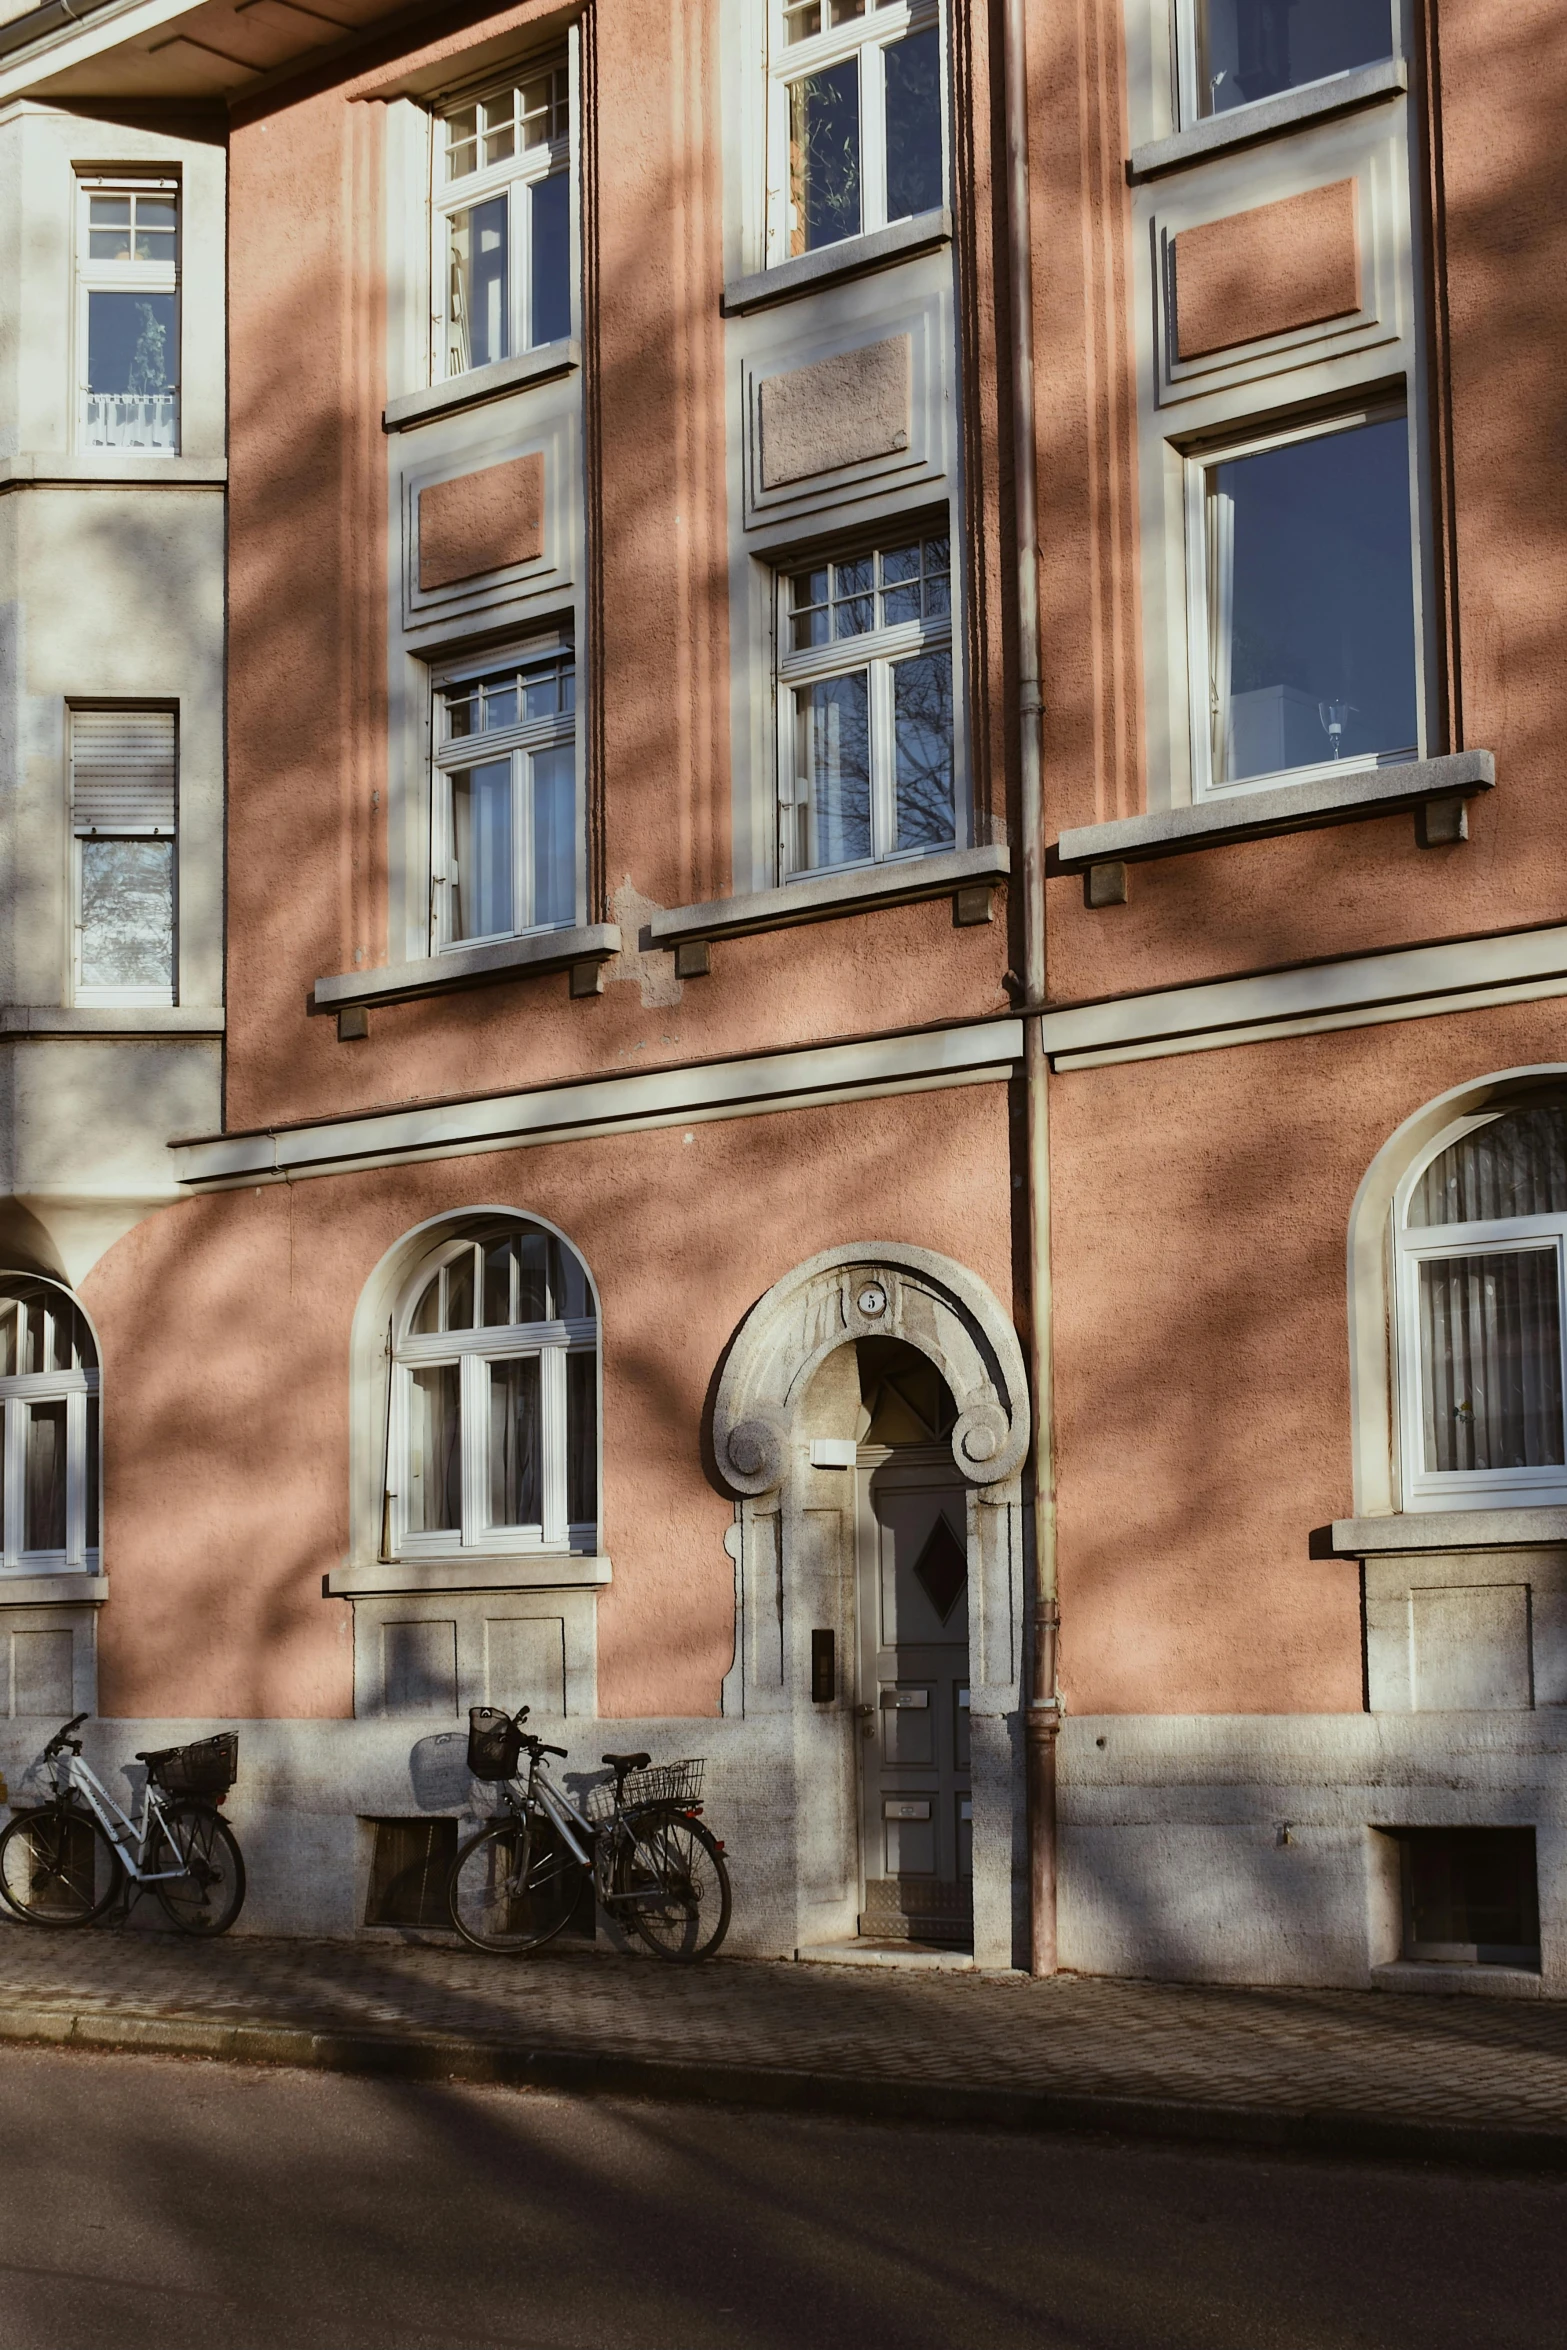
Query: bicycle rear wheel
column 58, row 1868
column 210, row 1894
column 514, row 1885
column 674, row 1885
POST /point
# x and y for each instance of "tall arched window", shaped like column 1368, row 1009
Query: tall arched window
column 1481, row 1234
column 493, row 1427
column 49, row 1451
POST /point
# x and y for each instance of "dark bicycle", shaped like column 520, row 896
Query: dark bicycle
column 640, row 1840
column 63, row 1864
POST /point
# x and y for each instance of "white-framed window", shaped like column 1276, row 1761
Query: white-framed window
column 501, row 212
column 1303, row 593
column 867, row 734
column 855, row 119
column 1480, row 1242
column 124, row 770
column 49, row 1442
column 128, row 314
column 493, row 1427
column 1233, row 52
column 505, row 835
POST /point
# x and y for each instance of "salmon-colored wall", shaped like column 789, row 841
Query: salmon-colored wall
column 1201, row 1212
column 225, row 1330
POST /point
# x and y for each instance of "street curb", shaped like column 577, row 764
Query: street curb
column 432, row 2057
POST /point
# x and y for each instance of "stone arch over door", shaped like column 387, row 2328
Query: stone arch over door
column 776, row 1427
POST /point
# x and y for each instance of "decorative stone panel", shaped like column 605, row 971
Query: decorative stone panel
column 481, row 522
column 841, row 411
column 1266, row 272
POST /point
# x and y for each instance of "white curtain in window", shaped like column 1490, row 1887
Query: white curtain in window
column 1491, row 1360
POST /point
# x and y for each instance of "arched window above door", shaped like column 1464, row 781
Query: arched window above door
column 1481, row 1248
column 49, row 1447
column 492, row 1439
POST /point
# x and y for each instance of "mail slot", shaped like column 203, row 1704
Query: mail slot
column 905, row 1700
column 905, row 1807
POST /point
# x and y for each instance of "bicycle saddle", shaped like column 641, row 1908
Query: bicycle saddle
column 627, row 1762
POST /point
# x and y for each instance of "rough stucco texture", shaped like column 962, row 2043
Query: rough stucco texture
column 226, row 1327
column 1267, row 271
column 481, row 522
column 840, row 411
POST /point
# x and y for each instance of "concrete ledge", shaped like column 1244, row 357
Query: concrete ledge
column 1258, row 815
column 807, row 273
column 480, row 384
column 527, row 1571
column 1478, row 1982
column 423, row 2057
column 112, row 1020
column 111, row 469
column 1504, row 1529
column 1219, row 134
column 63, row 1590
column 816, row 896
column 507, row 958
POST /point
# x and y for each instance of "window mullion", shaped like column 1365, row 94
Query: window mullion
column 884, row 806
column 520, row 233
column 873, row 136
column 522, row 838
column 76, row 1479
column 473, row 1398
column 15, row 1422
column 552, row 1412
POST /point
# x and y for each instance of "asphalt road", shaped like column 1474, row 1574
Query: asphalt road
column 164, row 2203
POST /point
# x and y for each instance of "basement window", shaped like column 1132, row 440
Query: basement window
column 409, row 1868
column 1470, row 1896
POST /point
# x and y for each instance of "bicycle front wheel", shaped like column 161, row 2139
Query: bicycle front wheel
column 58, row 1868
column 514, row 1885
column 208, row 1894
column 673, row 1885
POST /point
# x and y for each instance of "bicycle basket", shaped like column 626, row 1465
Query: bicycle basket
column 677, row 1784
column 494, row 1742
column 209, row 1767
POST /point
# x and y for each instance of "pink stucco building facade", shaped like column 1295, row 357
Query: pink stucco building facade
column 892, row 1101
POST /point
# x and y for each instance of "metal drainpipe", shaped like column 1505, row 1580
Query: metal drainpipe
column 1042, row 1715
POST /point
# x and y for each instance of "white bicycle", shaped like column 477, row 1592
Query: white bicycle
column 65, row 1862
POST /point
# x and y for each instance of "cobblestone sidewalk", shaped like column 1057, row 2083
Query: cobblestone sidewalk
column 1327, row 2060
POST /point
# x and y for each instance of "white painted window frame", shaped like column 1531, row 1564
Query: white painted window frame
column 866, row 38
column 80, row 992
column 1202, row 594
column 17, row 1395
column 877, row 650
column 518, row 744
column 1430, row 1489
column 1188, row 69
column 516, row 178
column 473, row 1351
column 125, row 277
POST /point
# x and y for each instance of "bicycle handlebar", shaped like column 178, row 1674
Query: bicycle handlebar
column 62, row 1738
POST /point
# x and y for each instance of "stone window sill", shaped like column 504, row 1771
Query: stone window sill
column 528, row 1570
column 1494, row 1982
column 816, row 897
column 111, row 1019
column 808, row 273
column 1282, row 808
column 507, row 958
column 480, row 384
column 1417, row 1530
column 43, row 471
column 1221, row 134
column 60, row 1590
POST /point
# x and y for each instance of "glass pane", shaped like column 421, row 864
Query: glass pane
column 854, row 604
column 810, row 604
column 824, row 156
column 92, row 1473
column 481, row 826
column 554, row 774
column 8, row 1317
column 802, row 18
column 1516, row 1166
column 922, row 725
column 550, row 234
column 1250, row 49
column 130, row 343
column 480, row 290
column 462, row 152
column 427, row 1313
column 516, row 1438
column 569, row 1292
column 832, row 720
column 1491, row 1361
column 913, row 71
column 581, row 1439
column 157, row 219
column 127, row 913
column 459, row 1292
column 1312, row 602
column 499, row 1257
column 533, row 1301
column 33, row 1337
column 44, row 1486
column 60, row 1321
column 434, row 1451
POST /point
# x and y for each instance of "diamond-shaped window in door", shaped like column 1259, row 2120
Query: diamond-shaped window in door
column 941, row 1570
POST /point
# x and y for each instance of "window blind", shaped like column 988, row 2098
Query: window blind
column 122, row 771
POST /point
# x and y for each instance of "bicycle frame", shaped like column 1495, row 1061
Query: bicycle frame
column 73, row 1775
column 568, row 1819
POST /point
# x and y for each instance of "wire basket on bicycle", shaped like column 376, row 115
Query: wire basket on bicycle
column 209, row 1767
column 678, row 1784
column 494, row 1742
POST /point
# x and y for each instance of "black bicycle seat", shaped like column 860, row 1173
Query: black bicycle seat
column 627, row 1762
